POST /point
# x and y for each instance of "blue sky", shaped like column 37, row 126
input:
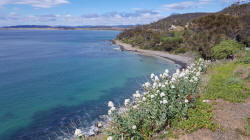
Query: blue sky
column 99, row 12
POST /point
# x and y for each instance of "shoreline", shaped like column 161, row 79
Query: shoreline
column 183, row 61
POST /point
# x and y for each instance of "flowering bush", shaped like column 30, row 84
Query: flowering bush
column 157, row 105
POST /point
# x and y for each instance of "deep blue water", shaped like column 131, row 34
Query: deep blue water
column 51, row 79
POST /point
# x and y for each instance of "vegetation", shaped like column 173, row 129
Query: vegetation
column 199, row 117
column 226, row 49
column 247, row 127
column 226, row 84
column 201, row 31
column 160, row 104
column 245, row 58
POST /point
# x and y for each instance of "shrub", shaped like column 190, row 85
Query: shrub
column 160, row 103
column 226, row 49
column 181, row 50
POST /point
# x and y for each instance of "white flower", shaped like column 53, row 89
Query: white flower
column 162, row 94
column 78, row 133
column 166, row 83
column 110, row 138
column 186, row 100
column 155, row 85
column 173, row 79
column 134, row 127
column 152, row 96
column 198, row 74
column 157, row 91
column 160, row 102
column 136, row 95
column 172, row 86
column 160, row 84
column 137, row 92
column 110, row 112
column 164, row 101
column 166, row 71
column 147, row 84
column 145, row 93
column 135, row 106
column 161, row 75
column 156, row 79
column 99, row 124
column 126, row 102
column 195, row 79
column 163, row 86
column 152, row 76
column 143, row 99
column 110, row 104
column 112, row 108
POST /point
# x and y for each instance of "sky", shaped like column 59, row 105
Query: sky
column 99, row 12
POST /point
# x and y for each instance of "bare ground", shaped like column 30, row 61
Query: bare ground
column 232, row 119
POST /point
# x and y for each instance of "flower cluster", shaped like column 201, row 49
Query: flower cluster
column 158, row 104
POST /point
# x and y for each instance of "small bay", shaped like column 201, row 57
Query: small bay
column 51, row 78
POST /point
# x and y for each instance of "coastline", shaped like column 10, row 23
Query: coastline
column 178, row 59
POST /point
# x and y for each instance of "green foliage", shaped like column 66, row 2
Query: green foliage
column 225, row 85
column 199, row 117
column 247, row 127
column 160, row 104
column 181, row 50
column 203, row 32
column 226, row 49
column 245, row 59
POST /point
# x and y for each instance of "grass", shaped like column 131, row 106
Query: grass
column 199, row 117
column 224, row 84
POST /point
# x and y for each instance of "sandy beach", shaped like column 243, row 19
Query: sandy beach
column 179, row 59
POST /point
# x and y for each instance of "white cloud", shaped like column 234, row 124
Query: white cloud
column 35, row 3
column 186, row 5
column 233, row 1
column 112, row 18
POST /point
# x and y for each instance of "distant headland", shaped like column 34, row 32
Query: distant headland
column 47, row 27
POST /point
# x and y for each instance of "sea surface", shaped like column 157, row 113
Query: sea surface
column 54, row 81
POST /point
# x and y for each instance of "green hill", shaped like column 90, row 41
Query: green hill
column 193, row 31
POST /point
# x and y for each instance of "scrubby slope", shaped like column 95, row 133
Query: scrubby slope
column 194, row 31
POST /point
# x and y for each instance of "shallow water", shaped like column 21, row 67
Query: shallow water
column 51, row 79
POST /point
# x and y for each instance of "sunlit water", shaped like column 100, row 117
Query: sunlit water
column 49, row 79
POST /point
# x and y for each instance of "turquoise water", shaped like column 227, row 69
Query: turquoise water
column 49, row 79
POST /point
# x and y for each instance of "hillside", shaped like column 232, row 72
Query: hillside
column 177, row 19
column 198, row 32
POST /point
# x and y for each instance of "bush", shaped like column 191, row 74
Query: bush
column 226, row 49
column 160, row 103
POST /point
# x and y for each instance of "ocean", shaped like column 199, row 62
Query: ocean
column 52, row 81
